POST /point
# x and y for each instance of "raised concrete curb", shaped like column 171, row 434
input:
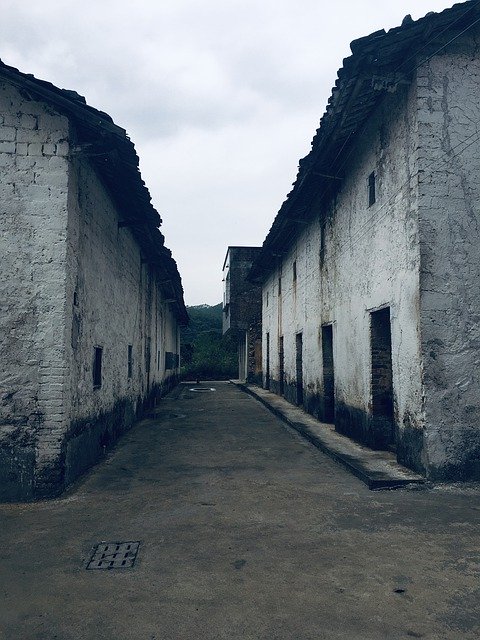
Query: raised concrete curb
column 377, row 469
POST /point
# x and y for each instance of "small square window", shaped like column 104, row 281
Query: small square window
column 97, row 367
column 371, row 189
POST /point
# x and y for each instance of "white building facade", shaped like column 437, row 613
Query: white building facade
column 91, row 300
column 371, row 271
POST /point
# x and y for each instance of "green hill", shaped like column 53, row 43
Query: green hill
column 205, row 353
column 202, row 318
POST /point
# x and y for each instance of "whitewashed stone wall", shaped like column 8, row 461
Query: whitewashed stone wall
column 114, row 301
column 449, row 213
column 33, row 187
column 351, row 260
column 415, row 250
column 71, row 279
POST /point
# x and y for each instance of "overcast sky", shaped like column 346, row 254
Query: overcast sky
column 221, row 98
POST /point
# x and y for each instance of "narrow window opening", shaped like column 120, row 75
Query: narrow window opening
column 328, row 374
column 281, row 366
column 267, row 298
column 148, row 355
column 75, row 299
column 299, row 367
column 383, row 426
column 267, row 367
column 371, row 189
column 130, row 361
column 294, row 271
column 158, row 360
column 279, row 286
column 97, row 367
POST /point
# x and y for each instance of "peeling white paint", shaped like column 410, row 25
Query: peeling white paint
column 416, row 250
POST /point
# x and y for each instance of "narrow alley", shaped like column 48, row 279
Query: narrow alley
column 246, row 531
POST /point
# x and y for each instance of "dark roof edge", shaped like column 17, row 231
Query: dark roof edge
column 379, row 62
column 239, row 246
column 125, row 173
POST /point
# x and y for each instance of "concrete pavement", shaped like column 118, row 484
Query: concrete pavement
column 247, row 531
column 378, row 469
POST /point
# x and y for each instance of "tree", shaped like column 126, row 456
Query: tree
column 206, row 353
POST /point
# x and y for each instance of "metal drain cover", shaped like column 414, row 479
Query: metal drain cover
column 202, row 389
column 114, row 555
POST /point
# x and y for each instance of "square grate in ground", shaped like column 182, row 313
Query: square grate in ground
column 114, row 555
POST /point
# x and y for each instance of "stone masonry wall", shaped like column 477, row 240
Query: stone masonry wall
column 350, row 260
column 242, row 311
column 71, row 280
column 33, row 186
column 449, row 214
column 113, row 301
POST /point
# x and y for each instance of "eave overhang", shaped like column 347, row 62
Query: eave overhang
column 113, row 156
column 379, row 63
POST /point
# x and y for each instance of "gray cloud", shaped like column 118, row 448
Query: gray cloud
column 221, row 97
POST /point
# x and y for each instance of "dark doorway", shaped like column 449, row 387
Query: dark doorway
column 267, row 367
column 257, row 361
column 299, row 367
column 281, row 366
column 328, row 374
column 382, row 379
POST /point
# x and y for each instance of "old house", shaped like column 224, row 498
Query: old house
column 371, row 270
column 91, row 299
column 242, row 311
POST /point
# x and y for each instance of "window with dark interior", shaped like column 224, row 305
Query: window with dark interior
column 371, row 189
column 130, row 361
column 97, row 367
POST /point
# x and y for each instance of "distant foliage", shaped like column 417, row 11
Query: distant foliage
column 202, row 318
column 205, row 353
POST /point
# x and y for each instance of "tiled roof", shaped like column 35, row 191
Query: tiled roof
column 379, row 62
column 113, row 155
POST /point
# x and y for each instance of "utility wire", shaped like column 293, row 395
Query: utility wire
column 382, row 209
column 446, row 28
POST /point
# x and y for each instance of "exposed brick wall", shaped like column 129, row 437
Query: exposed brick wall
column 71, row 280
column 33, row 179
column 242, row 316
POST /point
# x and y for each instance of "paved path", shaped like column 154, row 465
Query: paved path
column 378, row 469
column 247, row 532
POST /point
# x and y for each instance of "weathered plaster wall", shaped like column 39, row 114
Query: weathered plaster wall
column 449, row 192
column 350, row 260
column 70, row 280
column 33, row 186
column 114, row 301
